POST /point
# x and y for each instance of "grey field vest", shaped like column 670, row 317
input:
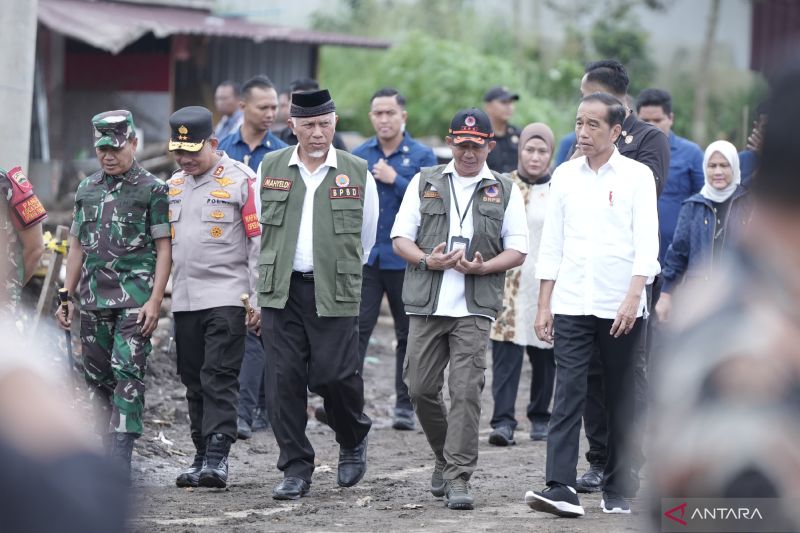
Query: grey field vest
column 484, row 294
column 338, row 215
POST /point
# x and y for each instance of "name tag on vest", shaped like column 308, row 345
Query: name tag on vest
column 344, row 192
column 277, row 184
column 431, row 194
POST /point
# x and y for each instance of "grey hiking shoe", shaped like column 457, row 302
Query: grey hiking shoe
column 438, row 485
column 458, row 495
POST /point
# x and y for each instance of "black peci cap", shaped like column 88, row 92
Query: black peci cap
column 311, row 104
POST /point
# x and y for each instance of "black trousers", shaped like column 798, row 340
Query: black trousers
column 251, row 379
column 375, row 284
column 506, row 371
column 594, row 418
column 210, row 346
column 576, row 340
column 305, row 351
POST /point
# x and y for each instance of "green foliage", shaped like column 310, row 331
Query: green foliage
column 725, row 109
column 438, row 77
column 619, row 39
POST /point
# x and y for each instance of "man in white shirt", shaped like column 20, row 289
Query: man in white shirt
column 460, row 227
column 599, row 249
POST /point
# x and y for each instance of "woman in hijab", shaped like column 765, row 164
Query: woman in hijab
column 707, row 224
column 512, row 333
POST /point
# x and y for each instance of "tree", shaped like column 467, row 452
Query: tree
column 699, row 130
column 437, row 76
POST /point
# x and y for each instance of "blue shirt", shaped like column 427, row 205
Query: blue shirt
column 748, row 162
column 237, row 149
column 407, row 160
column 564, row 146
column 228, row 125
column 685, row 178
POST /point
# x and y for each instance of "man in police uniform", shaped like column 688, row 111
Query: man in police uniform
column 499, row 106
column 320, row 210
column 215, row 238
column 21, row 216
column 460, row 227
column 119, row 250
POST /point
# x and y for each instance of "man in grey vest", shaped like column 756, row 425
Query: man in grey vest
column 460, row 227
column 319, row 211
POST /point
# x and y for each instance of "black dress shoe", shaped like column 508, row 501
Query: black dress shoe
column 243, row 429
column 260, row 422
column 591, row 481
column 403, row 420
column 291, row 488
column 540, row 429
column 502, row 436
column 320, row 414
column 352, row 464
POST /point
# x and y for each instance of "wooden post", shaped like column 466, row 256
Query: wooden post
column 50, row 285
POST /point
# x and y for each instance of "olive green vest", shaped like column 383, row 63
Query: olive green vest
column 338, row 214
column 484, row 294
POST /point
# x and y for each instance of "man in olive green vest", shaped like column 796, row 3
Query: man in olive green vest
column 319, row 211
column 460, row 227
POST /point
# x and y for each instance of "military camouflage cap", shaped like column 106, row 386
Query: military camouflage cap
column 113, row 128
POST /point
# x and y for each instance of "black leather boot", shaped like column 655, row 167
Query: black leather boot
column 215, row 470
column 122, row 449
column 191, row 476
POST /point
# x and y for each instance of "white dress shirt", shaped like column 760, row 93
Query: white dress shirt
column 304, row 255
column 600, row 230
column 452, row 301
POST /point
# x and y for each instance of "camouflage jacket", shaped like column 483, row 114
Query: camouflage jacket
column 116, row 220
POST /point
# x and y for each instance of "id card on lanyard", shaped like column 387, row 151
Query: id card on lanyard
column 459, row 242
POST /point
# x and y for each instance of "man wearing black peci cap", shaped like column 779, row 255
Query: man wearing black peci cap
column 319, row 210
column 460, row 227
column 287, row 135
column 215, row 238
column 498, row 102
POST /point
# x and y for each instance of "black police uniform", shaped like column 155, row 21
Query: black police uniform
column 506, row 152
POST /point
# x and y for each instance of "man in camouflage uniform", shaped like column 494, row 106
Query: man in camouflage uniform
column 21, row 216
column 120, row 252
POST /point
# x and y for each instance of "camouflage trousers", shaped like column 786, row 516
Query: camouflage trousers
column 115, row 359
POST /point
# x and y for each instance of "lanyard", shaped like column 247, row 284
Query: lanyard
column 461, row 217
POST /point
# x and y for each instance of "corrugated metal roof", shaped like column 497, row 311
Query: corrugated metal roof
column 113, row 26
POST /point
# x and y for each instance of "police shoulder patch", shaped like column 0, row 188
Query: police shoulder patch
column 17, row 175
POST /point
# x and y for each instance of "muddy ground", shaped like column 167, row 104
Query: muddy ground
column 393, row 496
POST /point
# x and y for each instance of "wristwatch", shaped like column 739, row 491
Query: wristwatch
column 423, row 263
